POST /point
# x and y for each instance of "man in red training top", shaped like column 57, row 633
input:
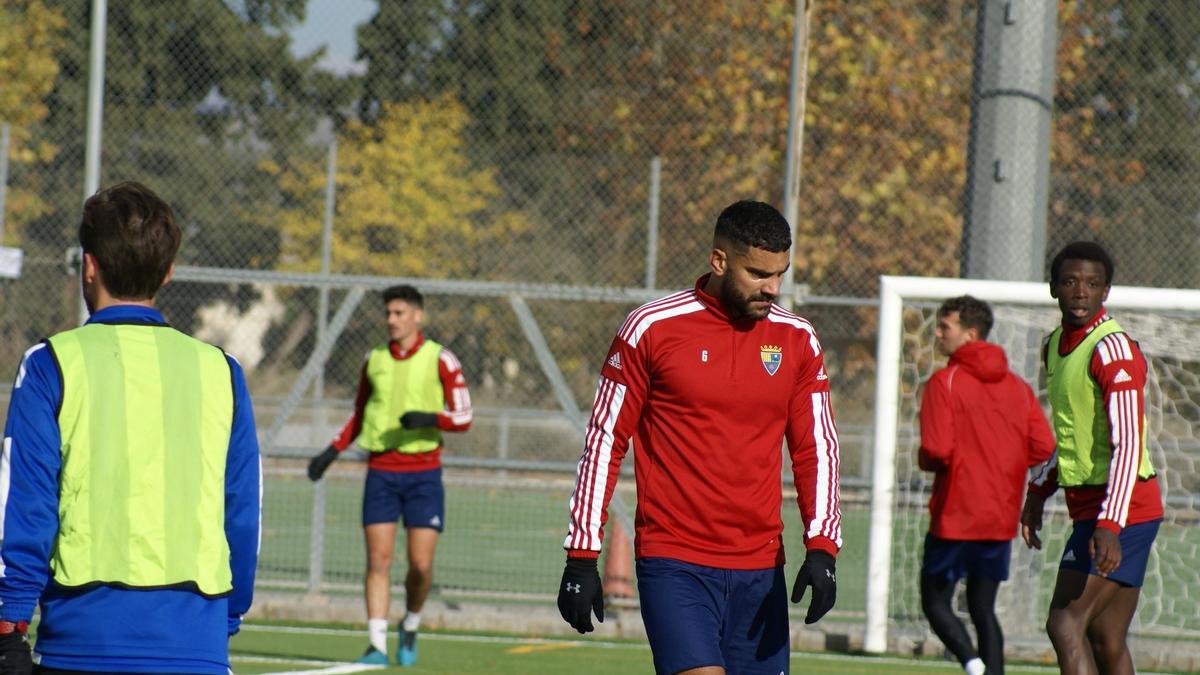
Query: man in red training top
column 710, row 381
column 410, row 391
column 981, row 429
column 1095, row 377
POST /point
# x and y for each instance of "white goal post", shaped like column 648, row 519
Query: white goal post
column 894, row 373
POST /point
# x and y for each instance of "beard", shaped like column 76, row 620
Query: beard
column 739, row 306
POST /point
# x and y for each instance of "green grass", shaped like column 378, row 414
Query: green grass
column 261, row 649
column 496, row 539
column 507, row 537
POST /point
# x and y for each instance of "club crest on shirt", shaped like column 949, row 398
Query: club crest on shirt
column 772, row 356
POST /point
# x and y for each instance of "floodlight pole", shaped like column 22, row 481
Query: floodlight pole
column 1008, row 145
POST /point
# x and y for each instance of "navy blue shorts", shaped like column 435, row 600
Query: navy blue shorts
column 705, row 616
column 952, row 560
column 418, row 496
column 1136, row 542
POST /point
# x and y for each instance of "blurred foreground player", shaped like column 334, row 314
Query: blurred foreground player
column 131, row 476
column 710, row 381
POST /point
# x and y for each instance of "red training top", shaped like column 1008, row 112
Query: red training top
column 981, row 429
column 1119, row 368
column 455, row 417
column 710, row 401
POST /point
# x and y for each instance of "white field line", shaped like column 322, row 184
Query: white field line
column 322, row 667
column 332, row 670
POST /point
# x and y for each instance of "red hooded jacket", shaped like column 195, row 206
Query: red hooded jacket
column 981, row 429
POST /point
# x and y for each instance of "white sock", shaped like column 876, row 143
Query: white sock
column 974, row 666
column 412, row 621
column 377, row 633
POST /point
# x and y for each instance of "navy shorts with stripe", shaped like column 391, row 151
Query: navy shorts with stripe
column 1136, row 542
column 952, row 560
column 705, row 616
column 417, row 496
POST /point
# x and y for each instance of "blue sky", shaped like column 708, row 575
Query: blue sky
column 332, row 23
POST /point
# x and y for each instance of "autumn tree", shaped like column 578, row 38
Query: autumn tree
column 30, row 35
column 196, row 94
column 409, row 200
column 1126, row 139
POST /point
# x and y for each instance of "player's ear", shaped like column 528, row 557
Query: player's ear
column 1106, row 290
column 719, row 262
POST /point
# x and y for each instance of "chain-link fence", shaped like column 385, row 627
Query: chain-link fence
column 572, row 155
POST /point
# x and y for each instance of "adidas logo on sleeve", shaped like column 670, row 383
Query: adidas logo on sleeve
column 615, row 360
column 1122, row 377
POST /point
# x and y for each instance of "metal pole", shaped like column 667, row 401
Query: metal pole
column 95, row 100
column 5, row 129
column 95, row 114
column 326, row 256
column 795, row 136
column 652, row 228
column 316, row 542
column 1008, row 149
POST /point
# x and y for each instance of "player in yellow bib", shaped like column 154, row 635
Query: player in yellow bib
column 1095, row 377
column 130, row 479
column 411, row 390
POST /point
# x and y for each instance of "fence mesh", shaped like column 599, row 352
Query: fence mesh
column 561, row 143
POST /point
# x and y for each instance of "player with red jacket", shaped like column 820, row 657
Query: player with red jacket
column 981, row 429
column 707, row 384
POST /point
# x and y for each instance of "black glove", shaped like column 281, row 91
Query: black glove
column 817, row 571
column 318, row 464
column 581, row 593
column 417, row 420
column 15, row 658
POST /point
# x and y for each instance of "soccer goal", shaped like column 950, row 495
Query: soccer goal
column 1165, row 322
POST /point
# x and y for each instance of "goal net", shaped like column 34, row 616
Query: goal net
column 1166, row 324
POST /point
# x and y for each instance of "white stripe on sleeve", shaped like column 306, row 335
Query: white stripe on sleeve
column 587, row 500
column 1125, row 426
column 826, row 519
column 21, row 368
column 5, row 483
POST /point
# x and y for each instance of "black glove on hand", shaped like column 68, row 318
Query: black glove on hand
column 417, row 420
column 581, row 593
column 817, row 571
column 318, row 464
column 15, row 658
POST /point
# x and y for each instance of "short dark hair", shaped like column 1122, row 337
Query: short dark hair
column 1083, row 250
column 403, row 292
column 972, row 313
column 753, row 224
column 133, row 236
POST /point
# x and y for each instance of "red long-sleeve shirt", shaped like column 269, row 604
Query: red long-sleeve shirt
column 981, row 429
column 1119, row 368
column 710, row 401
column 456, row 416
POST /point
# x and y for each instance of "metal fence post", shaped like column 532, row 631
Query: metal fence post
column 316, row 540
column 652, row 225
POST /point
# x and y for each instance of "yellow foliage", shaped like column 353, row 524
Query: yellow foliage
column 30, row 36
column 409, row 203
